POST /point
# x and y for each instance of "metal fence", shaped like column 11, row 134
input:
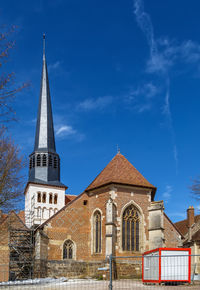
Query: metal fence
column 132, row 272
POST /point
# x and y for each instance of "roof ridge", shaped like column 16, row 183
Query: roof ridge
column 120, row 170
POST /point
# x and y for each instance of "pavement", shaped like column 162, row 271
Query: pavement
column 79, row 284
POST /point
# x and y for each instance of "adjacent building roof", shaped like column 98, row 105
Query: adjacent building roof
column 183, row 225
column 69, row 197
column 120, row 171
column 196, row 236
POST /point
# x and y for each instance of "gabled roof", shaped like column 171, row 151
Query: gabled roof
column 173, row 224
column 183, row 226
column 120, row 171
column 69, row 197
column 18, row 217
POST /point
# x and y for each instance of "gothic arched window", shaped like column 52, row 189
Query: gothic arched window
column 97, row 231
column 68, row 250
column 38, row 160
column 130, row 229
column 44, row 160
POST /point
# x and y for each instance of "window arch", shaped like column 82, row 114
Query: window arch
column 97, row 231
column 44, row 197
column 39, row 196
column 130, row 229
column 68, row 250
column 44, row 160
column 55, row 199
column 38, row 160
column 39, row 212
column 50, row 198
column 51, row 212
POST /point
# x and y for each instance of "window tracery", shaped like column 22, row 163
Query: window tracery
column 130, row 229
column 97, row 231
column 68, row 250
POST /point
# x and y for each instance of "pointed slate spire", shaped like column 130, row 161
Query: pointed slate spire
column 44, row 137
column 44, row 162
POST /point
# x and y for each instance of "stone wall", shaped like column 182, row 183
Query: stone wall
column 74, row 269
column 128, row 269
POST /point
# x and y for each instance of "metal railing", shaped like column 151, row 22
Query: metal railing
column 117, row 272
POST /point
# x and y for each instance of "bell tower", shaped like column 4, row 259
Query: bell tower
column 44, row 193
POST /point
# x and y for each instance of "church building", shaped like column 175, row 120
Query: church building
column 116, row 214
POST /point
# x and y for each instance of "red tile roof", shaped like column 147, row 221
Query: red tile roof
column 120, row 171
column 21, row 215
column 183, row 225
column 69, row 197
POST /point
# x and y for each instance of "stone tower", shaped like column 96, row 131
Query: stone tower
column 44, row 193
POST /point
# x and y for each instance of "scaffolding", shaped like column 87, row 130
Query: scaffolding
column 21, row 246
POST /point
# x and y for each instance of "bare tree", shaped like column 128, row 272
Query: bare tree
column 11, row 162
column 7, row 89
column 195, row 188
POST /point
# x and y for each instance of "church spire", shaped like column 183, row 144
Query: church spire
column 44, row 165
column 44, row 137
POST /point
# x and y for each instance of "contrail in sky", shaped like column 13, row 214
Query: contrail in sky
column 157, row 63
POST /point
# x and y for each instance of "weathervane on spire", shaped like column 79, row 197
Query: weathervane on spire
column 118, row 149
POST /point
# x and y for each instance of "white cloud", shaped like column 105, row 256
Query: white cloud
column 167, row 194
column 64, row 130
column 162, row 57
column 141, row 98
column 54, row 66
column 95, row 104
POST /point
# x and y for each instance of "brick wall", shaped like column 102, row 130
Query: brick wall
column 75, row 223
column 171, row 235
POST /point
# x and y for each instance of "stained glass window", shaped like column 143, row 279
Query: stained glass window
column 97, row 232
column 130, row 229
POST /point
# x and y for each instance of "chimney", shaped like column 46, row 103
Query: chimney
column 190, row 221
column 190, row 216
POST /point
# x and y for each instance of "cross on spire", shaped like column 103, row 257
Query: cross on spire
column 43, row 45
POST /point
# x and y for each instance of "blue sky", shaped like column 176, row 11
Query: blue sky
column 121, row 72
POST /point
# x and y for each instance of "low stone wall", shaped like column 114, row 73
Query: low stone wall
column 127, row 269
column 74, row 269
column 77, row 269
column 40, row 269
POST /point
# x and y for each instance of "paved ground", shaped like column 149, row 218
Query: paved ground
column 99, row 285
